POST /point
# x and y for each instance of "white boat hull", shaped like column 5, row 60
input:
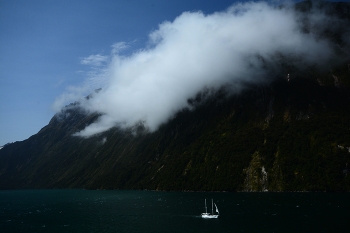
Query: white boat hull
column 205, row 215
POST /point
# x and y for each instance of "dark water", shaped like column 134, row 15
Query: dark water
column 148, row 211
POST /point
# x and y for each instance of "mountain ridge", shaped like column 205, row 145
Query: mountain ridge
column 266, row 128
column 289, row 134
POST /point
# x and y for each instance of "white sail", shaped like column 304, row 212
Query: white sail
column 217, row 210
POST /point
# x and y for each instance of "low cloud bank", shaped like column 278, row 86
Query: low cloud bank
column 243, row 44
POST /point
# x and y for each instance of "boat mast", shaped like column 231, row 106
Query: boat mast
column 205, row 200
column 212, row 211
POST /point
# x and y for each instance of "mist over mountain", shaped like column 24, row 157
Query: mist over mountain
column 249, row 43
column 255, row 98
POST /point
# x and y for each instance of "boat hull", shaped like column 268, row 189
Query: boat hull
column 205, row 215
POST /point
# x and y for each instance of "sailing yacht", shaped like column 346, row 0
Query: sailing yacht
column 210, row 215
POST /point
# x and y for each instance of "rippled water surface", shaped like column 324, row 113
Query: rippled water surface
column 149, row 211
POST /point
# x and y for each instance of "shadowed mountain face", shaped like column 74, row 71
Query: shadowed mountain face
column 290, row 134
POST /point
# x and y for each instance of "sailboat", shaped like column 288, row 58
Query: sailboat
column 210, row 215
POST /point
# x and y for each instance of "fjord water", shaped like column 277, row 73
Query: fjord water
column 150, row 211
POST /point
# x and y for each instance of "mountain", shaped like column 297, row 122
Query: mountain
column 290, row 134
column 286, row 136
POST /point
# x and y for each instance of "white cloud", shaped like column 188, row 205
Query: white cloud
column 72, row 94
column 193, row 52
column 118, row 47
column 94, row 60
